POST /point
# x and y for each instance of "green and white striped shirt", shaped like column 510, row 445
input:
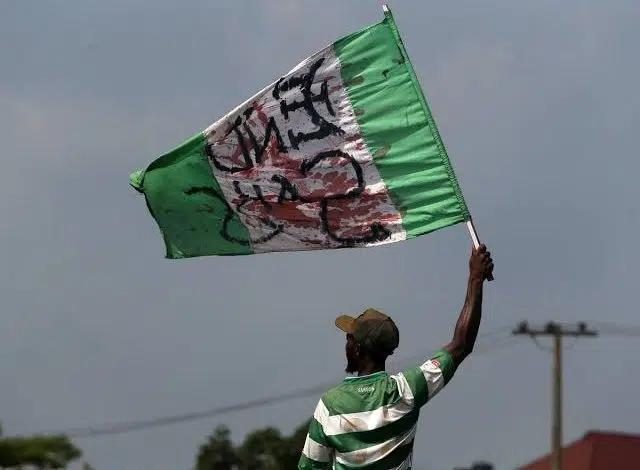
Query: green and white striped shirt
column 370, row 422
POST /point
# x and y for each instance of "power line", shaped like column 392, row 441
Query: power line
column 487, row 342
column 490, row 344
column 604, row 328
column 608, row 328
column 540, row 346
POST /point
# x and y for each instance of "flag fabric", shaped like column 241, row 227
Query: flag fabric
column 340, row 152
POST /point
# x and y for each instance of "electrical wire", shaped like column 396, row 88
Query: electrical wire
column 541, row 346
column 496, row 346
column 486, row 343
column 602, row 328
column 492, row 341
column 608, row 328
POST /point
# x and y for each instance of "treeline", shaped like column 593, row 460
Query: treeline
column 262, row 449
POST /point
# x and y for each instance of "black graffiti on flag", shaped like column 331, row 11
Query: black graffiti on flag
column 304, row 83
column 250, row 144
column 248, row 154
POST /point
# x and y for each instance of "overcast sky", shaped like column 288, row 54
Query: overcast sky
column 538, row 105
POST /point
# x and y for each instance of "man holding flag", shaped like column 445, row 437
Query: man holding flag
column 340, row 152
column 370, row 420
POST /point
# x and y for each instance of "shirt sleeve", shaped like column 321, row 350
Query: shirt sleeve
column 426, row 380
column 316, row 453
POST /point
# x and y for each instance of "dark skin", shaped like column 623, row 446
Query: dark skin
column 359, row 362
column 466, row 329
column 468, row 324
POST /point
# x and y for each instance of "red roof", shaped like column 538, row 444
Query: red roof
column 597, row 450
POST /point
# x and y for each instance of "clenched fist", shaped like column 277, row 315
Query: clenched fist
column 480, row 264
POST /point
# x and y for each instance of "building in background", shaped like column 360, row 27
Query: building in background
column 597, row 450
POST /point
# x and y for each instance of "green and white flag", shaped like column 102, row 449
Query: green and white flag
column 340, row 152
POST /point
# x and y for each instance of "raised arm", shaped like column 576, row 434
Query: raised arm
column 468, row 324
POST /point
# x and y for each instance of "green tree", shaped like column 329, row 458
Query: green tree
column 218, row 453
column 42, row 452
column 262, row 449
column 293, row 446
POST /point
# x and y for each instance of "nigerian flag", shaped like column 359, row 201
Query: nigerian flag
column 340, row 152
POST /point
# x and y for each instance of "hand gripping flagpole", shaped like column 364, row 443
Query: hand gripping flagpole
column 476, row 241
column 472, row 230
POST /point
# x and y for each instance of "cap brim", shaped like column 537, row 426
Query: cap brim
column 346, row 323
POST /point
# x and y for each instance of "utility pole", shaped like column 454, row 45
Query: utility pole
column 558, row 332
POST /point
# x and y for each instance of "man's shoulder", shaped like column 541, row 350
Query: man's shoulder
column 334, row 393
column 326, row 401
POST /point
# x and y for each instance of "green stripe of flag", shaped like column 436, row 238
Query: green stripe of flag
column 399, row 129
column 181, row 195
